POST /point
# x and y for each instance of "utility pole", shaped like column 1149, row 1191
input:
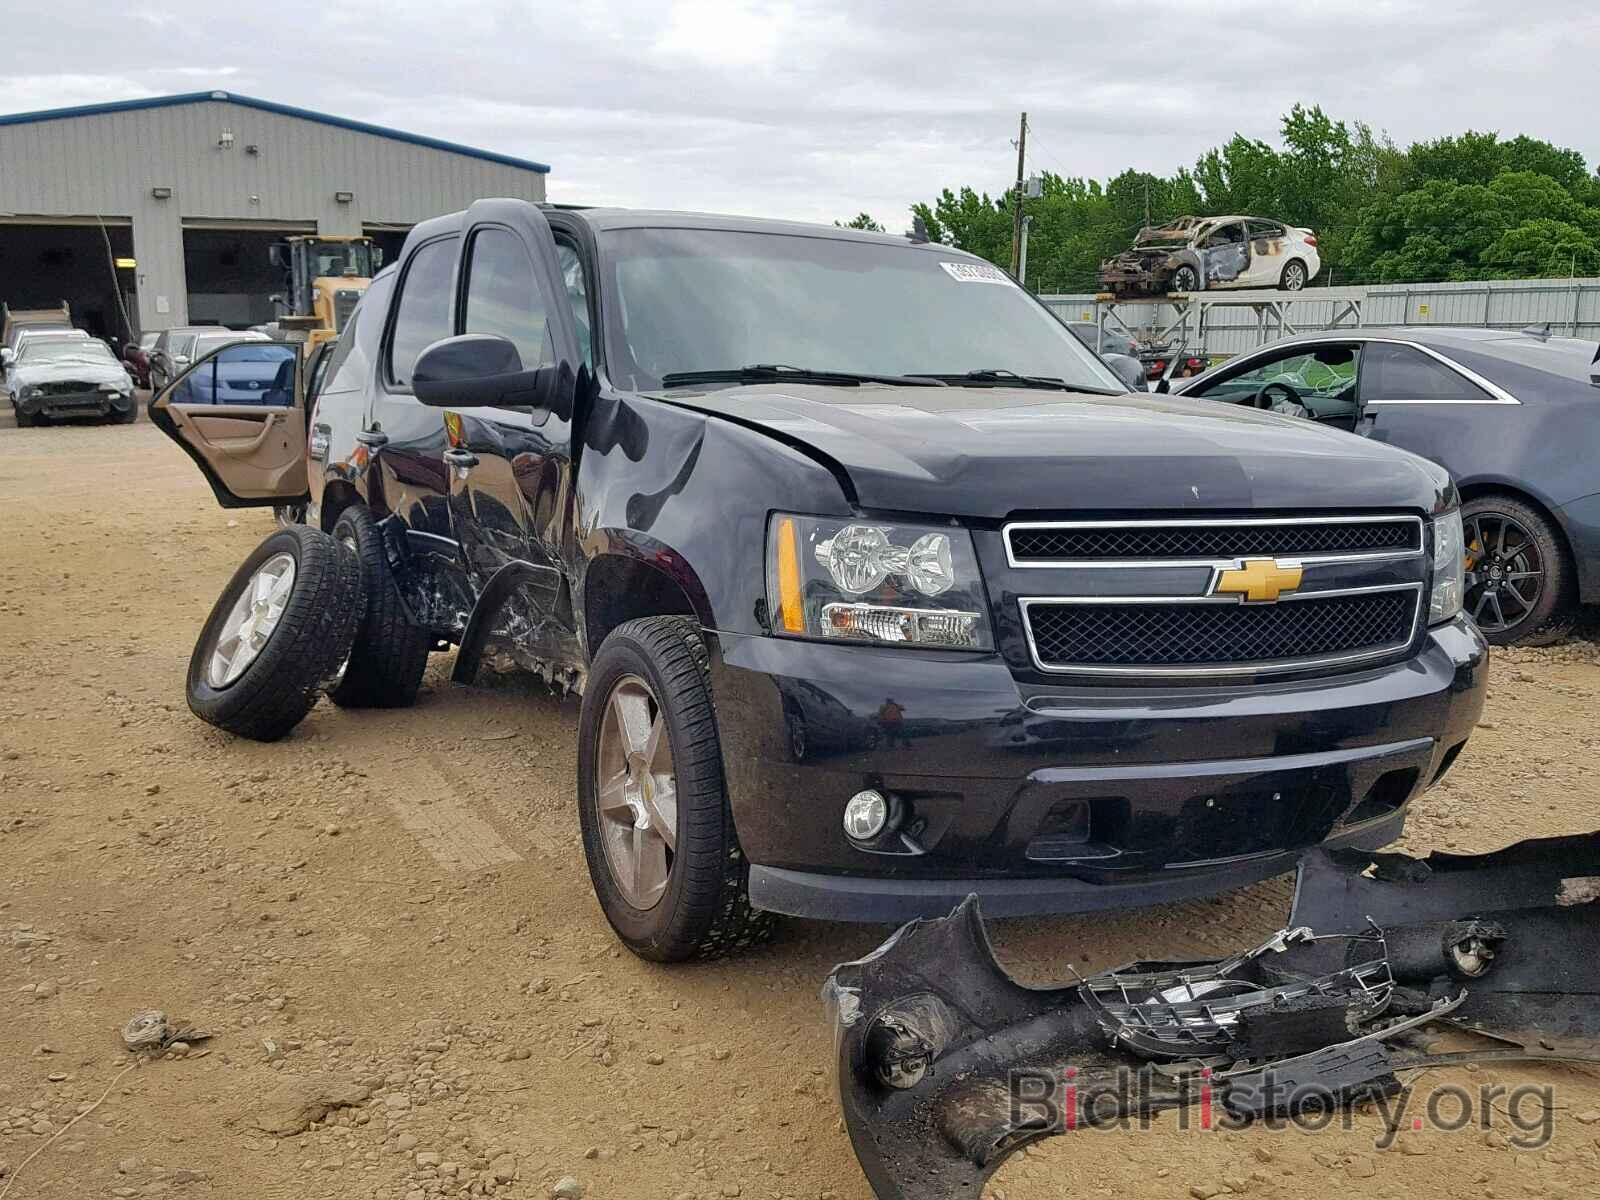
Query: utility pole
column 1016, row 198
column 1022, row 273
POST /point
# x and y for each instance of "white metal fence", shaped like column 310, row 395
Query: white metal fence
column 1230, row 322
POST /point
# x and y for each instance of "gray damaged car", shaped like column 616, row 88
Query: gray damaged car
column 66, row 377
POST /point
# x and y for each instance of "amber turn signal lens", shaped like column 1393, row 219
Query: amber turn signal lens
column 790, row 607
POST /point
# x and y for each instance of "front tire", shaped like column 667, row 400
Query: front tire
column 1519, row 580
column 1184, row 279
column 652, row 806
column 281, row 628
column 390, row 653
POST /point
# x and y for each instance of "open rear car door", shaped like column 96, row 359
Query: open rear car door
column 238, row 413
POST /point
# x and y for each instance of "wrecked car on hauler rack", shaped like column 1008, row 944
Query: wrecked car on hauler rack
column 878, row 587
column 1195, row 254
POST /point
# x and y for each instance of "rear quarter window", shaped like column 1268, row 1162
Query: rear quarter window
column 424, row 312
column 1394, row 373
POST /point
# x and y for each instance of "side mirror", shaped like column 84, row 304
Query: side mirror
column 1129, row 370
column 479, row 370
column 278, row 254
column 7, row 357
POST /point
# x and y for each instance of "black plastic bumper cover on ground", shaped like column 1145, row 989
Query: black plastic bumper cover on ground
column 934, row 1040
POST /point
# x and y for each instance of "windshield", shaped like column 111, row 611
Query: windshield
column 36, row 350
column 341, row 258
column 686, row 300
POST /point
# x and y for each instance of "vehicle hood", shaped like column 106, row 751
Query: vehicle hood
column 998, row 452
column 67, row 369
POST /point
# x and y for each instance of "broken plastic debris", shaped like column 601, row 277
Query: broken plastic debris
column 151, row 1030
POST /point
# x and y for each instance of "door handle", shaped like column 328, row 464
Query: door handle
column 372, row 437
column 461, row 458
column 238, row 447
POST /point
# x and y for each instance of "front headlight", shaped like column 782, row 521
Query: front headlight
column 1449, row 568
column 866, row 581
column 28, row 391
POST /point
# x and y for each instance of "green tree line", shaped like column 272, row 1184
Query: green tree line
column 1471, row 206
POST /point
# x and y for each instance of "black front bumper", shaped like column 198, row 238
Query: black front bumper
column 86, row 402
column 1065, row 799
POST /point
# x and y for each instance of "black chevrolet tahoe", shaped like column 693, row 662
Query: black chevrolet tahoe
column 878, row 589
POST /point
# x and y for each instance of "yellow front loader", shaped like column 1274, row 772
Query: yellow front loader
column 324, row 277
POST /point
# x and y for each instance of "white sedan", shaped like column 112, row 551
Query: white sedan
column 1196, row 254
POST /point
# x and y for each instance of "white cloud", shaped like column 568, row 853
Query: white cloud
column 822, row 108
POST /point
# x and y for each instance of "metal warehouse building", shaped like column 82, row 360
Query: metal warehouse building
column 173, row 202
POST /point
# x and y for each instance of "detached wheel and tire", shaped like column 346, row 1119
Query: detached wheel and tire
column 390, row 653
column 1519, row 582
column 652, row 806
column 279, row 631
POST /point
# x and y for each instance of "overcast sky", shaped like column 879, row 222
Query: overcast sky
column 822, row 109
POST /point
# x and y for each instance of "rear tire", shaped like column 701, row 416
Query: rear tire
column 704, row 911
column 390, row 653
column 1514, row 615
column 1294, row 276
column 304, row 643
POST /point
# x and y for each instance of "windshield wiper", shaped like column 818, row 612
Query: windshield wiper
column 1000, row 377
column 775, row 372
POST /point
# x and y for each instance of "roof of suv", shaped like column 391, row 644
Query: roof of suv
column 644, row 218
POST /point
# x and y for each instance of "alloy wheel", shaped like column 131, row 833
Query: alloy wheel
column 1505, row 571
column 636, row 794
column 1294, row 277
column 255, row 614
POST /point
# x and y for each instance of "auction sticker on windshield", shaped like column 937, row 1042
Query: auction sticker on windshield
column 965, row 272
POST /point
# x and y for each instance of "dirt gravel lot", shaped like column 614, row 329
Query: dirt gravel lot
column 396, row 903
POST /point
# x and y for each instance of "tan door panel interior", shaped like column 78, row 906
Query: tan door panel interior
column 256, row 452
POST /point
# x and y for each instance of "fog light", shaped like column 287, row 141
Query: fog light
column 865, row 815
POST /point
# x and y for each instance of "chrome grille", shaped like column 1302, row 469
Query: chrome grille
column 1223, row 636
column 1036, row 544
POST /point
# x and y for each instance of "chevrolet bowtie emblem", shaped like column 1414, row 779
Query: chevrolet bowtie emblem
column 1259, row 580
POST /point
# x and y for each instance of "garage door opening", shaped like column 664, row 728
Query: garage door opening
column 42, row 265
column 230, row 276
column 388, row 239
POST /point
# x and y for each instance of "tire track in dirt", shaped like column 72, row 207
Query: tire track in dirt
column 434, row 810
